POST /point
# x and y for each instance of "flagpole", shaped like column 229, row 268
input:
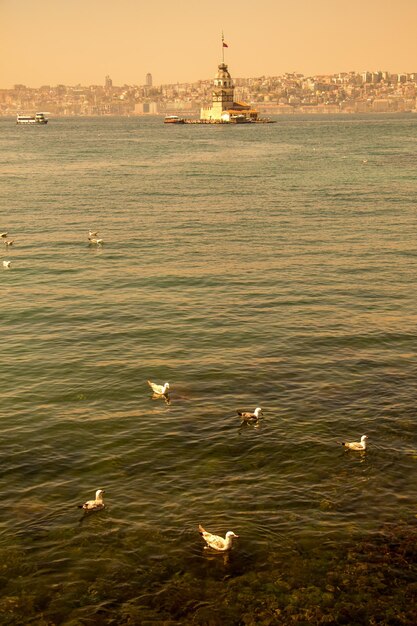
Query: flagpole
column 222, row 48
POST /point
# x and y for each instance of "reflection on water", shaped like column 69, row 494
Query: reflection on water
column 263, row 266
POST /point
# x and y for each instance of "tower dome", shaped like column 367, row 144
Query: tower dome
column 223, row 78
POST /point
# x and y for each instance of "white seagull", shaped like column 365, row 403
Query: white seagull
column 92, row 233
column 3, row 235
column 246, row 416
column 7, row 264
column 356, row 445
column 94, row 505
column 161, row 390
column 216, row 542
column 96, row 241
column 9, row 242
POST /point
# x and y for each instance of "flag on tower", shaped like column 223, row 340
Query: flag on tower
column 225, row 45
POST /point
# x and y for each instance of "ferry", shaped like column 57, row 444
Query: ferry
column 38, row 118
column 174, row 119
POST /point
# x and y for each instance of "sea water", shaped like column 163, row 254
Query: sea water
column 269, row 265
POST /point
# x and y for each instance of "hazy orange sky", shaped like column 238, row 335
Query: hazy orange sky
column 46, row 42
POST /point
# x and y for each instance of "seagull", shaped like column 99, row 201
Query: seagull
column 356, row 445
column 216, row 542
column 246, row 416
column 6, row 264
column 92, row 233
column 3, row 235
column 161, row 390
column 9, row 242
column 96, row 241
column 94, row 505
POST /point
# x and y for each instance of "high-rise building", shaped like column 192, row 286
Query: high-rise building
column 108, row 83
column 148, row 79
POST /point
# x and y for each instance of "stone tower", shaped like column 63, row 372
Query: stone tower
column 222, row 95
column 223, row 91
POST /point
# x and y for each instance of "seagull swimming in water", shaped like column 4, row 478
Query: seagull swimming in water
column 161, row 390
column 9, row 242
column 356, row 445
column 216, row 542
column 7, row 264
column 98, row 242
column 92, row 233
column 247, row 416
column 3, row 235
column 94, row 505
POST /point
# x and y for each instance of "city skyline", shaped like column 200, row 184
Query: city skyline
column 377, row 92
column 82, row 42
column 109, row 84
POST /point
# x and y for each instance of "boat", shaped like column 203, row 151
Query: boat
column 240, row 119
column 38, row 118
column 174, row 119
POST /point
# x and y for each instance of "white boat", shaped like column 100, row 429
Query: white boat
column 38, row 118
column 174, row 119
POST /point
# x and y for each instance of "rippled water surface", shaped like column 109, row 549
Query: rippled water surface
column 259, row 265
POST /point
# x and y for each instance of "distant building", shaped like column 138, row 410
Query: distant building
column 148, row 80
column 146, row 108
column 381, row 105
column 108, row 83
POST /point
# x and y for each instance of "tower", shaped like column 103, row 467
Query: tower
column 108, row 83
column 222, row 95
column 223, row 91
column 223, row 107
column 148, row 79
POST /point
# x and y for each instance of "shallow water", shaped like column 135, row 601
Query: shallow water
column 265, row 265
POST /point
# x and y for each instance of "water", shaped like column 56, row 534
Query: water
column 265, row 265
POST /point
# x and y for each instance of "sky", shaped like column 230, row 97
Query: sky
column 50, row 42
